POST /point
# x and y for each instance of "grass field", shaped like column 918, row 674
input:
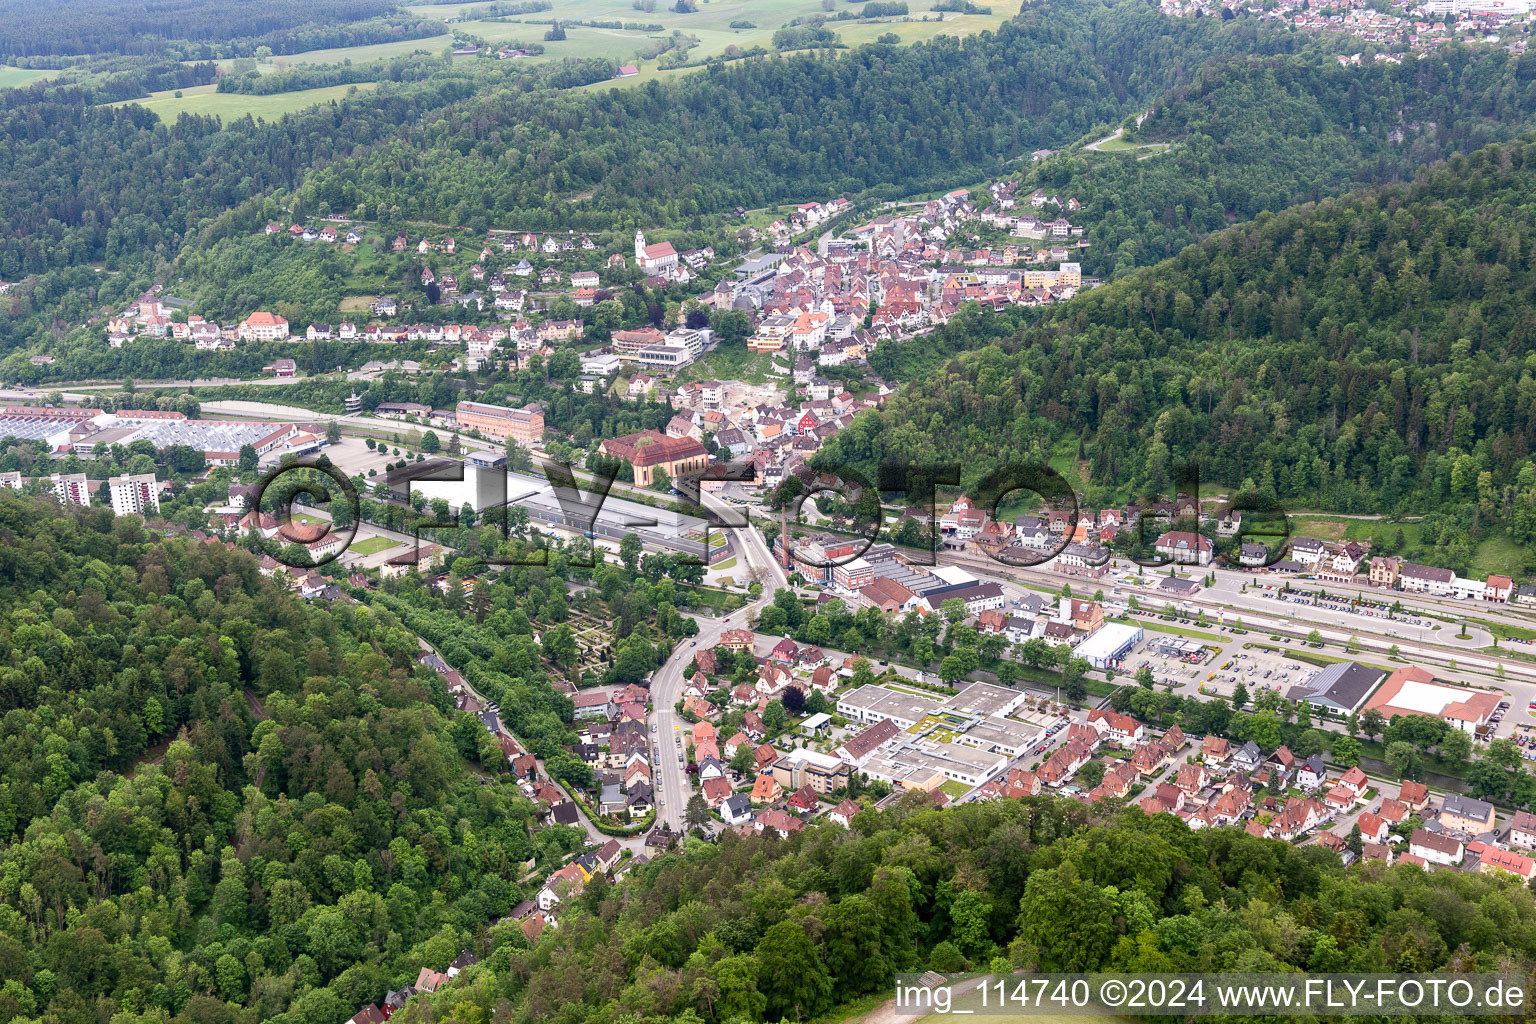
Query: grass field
column 372, row 545
column 1337, row 528
column 1122, row 145
column 732, row 363
column 204, row 99
column 1498, row 554
column 361, row 54
column 1501, row 555
column 711, row 24
column 11, row 78
column 1157, row 626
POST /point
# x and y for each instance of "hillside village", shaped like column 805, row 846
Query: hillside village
column 1416, row 25
column 889, row 278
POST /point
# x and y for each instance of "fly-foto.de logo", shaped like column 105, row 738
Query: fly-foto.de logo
column 593, row 505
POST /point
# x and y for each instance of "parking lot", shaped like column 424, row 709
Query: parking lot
column 1258, row 671
column 1362, row 609
column 1059, row 721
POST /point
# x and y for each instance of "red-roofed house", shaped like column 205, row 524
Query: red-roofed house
column 785, row 652
column 1492, row 858
column 765, row 790
column 716, row 790
column 1118, row 728
column 1373, row 827
column 765, row 755
column 1415, row 795
column 844, row 812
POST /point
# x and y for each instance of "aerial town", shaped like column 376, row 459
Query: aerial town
column 766, row 511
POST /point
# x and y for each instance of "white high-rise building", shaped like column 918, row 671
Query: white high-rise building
column 71, row 488
column 134, row 495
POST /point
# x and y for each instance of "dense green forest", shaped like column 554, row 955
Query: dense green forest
column 1250, row 135
column 1375, row 353
column 219, row 804
column 202, row 30
column 408, row 68
column 768, row 929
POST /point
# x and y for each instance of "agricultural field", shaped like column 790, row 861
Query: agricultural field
column 711, row 24
column 1126, row 146
column 362, row 54
column 12, row 78
column 204, row 99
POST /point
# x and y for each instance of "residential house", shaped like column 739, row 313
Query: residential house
column 1373, row 827
column 1491, row 859
column 1522, row 830
column 1466, row 814
column 1116, row 727
column 1247, row 758
column 843, row 814
column 1184, row 547
column 1311, row 773
column 1297, row 817
column 1436, row 847
column 736, row 809
column 766, row 790
column 1415, row 795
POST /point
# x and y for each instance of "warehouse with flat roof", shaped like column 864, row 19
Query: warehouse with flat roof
column 1413, row 691
column 1109, row 644
column 873, row 703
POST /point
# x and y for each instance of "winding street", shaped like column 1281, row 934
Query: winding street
column 668, row 741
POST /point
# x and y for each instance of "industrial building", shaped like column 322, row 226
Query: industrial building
column 80, row 431
column 927, row 764
column 1109, row 644
column 1414, row 691
column 1341, row 687
column 525, row 425
column 875, row 703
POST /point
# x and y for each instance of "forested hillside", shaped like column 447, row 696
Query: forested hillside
column 218, row 804
column 491, row 146
column 1372, row 353
column 763, row 929
column 1247, row 135
column 757, row 132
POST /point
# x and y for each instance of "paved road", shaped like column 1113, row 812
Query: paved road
column 635, row 844
column 668, row 727
column 1093, row 147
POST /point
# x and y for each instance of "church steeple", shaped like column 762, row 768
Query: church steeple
column 639, row 245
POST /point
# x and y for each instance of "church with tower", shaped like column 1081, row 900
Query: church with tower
column 659, row 259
